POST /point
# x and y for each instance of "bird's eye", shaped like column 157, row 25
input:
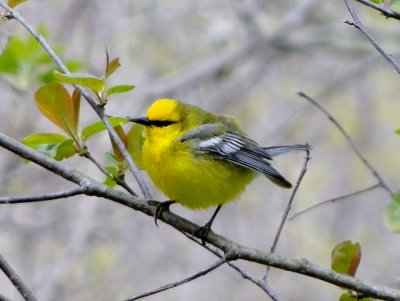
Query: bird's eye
column 161, row 123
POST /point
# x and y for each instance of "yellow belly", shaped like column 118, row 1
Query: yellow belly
column 195, row 182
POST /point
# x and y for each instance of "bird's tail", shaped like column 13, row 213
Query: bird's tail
column 274, row 151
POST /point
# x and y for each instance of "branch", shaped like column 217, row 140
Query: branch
column 43, row 197
column 288, row 207
column 374, row 172
column 118, row 180
column 183, row 281
column 16, row 281
column 340, row 198
column 388, row 13
column 235, row 250
column 98, row 109
column 260, row 283
column 357, row 24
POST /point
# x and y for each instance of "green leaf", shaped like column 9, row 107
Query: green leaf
column 65, row 150
column 377, row 1
column 120, row 89
column 99, row 126
column 86, row 80
column 349, row 297
column 54, row 101
column 43, row 138
column 114, row 171
column 112, row 66
column 392, row 214
column 53, row 145
column 346, row 257
column 14, row 3
column 135, row 144
column 10, row 58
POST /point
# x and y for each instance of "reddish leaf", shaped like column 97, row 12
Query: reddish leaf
column 346, row 257
column 122, row 135
column 112, row 66
column 76, row 102
column 54, row 101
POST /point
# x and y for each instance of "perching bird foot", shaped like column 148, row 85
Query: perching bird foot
column 160, row 207
column 202, row 232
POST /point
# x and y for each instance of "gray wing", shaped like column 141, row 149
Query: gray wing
column 234, row 147
column 274, row 151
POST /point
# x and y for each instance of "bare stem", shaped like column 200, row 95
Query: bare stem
column 357, row 24
column 340, row 198
column 118, row 180
column 374, row 172
column 388, row 13
column 25, row 292
column 180, row 282
column 288, row 207
column 41, row 198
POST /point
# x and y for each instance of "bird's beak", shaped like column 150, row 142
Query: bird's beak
column 141, row 120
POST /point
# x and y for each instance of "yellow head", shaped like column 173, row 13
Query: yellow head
column 171, row 118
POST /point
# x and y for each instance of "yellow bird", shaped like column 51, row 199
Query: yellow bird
column 200, row 159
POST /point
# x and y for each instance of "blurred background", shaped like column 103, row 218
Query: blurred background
column 242, row 58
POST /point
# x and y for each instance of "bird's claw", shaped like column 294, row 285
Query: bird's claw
column 202, row 232
column 160, row 207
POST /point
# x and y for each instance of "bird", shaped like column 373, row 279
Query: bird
column 200, row 160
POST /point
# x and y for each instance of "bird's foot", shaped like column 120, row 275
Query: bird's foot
column 202, row 232
column 160, row 207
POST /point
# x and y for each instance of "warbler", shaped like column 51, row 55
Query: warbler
column 200, row 159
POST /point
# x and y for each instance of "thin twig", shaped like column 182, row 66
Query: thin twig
column 357, row 24
column 98, row 109
column 236, row 251
column 118, row 180
column 260, row 283
column 25, row 292
column 287, row 209
column 388, row 13
column 340, row 198
column 183, row 281
column 374, row 172
column 43, row 197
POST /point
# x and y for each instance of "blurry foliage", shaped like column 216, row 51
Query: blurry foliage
column 392, row 214
column 24, row 63
column 62, row 109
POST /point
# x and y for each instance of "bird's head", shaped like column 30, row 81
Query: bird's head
column 164, row 117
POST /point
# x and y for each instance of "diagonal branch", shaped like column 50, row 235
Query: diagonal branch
column 288, row 207
column 340, row 198
column 200, row 273
column 43, row 197
column 118, row 180
column 25, row 292
column 374, row 172
column 357, row 24
column 260, row 283
column 13, row 14
column 235, row 250
column 388, row 13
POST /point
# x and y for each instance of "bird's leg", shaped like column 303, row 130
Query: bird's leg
column 160, row 207
column 202, row 232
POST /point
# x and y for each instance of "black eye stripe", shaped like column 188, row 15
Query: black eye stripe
column 161, row 123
